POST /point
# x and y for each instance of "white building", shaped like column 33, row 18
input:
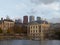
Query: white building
column 36, row 31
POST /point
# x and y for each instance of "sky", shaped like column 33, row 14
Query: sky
column 18, row 8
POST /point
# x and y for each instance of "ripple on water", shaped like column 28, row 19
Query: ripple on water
column 29, row 42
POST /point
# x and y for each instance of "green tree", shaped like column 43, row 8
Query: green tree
column 0, row 30
column 18, row 29
column 10, row 30
column 24, row 29
column 57, row 33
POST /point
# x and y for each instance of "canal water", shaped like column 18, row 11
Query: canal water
column 29, row 42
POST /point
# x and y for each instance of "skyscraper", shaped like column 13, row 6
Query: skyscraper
column 18, row 21
column 31, row 18
column 38, row 18
column 25, row 19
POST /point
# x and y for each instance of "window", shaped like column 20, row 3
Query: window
column 36, row 30
column 33, row 34
column 36, row 26
column 33, row 26
column 33, row 30
column 36, row 34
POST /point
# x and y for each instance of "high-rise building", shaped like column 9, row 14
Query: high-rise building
column 31, row 18
column 25, row 19
column 18, row 21
column 38, row 18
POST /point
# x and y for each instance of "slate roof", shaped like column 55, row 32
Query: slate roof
column 8, row 20
column 5, row 20
column 38, row 22
column 33, row 22
column 41, row 21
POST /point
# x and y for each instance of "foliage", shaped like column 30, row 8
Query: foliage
column 0, row 30
column 10, row 30
column 17, row 29
column 24, row 28
column 57, row 33
column 20, row 29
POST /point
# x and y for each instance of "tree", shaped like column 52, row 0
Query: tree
column 24, row 29
column 18, row 29
column 57, row 33
column 0, row 30
column 10, row 30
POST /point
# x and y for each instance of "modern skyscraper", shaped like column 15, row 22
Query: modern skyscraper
column 18, row 21
column 31, row 18
column 25, row 19
column 38, row 18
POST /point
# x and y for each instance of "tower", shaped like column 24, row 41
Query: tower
column 31, row 18
column 25, row 19
column 38, row 18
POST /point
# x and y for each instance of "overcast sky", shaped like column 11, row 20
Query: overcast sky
column 18, row 8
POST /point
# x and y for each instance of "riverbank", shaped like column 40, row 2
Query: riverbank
column 18, row 37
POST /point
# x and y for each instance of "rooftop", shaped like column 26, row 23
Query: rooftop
column 8, row 20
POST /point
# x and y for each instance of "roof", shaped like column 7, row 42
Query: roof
column 38, row 22
column 1, row 21
column 41, row 21
column 33, row 23
column 8, row 20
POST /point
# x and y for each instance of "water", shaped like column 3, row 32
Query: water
column 29, row 42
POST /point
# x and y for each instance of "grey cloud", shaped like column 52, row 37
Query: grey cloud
column 44, row 1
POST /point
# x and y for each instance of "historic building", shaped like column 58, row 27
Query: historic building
column 34, row 30
column 37, row 30
column 6, row 24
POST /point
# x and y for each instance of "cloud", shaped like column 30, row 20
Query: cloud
column 52, row 6
column 49, row 7
column 43, row 10
column 44, row 1
column 47, row 10
column 21, row 6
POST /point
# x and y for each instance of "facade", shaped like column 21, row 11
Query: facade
column 25, row 19
column 34, row 30
column 44, row 30
column 31, row 18
column 6, row 24
column 37, row 31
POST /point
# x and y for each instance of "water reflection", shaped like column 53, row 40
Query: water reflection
column 50, row 42
column 19, row 42
column 29, row 42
